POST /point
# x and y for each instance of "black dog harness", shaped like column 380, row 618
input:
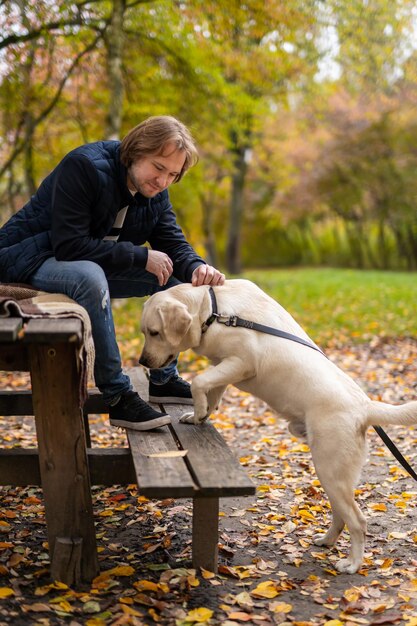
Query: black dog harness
column 235, row 321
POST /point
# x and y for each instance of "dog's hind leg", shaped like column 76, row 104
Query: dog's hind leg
column 332, row 535
column 338, row 466
column 347, row 509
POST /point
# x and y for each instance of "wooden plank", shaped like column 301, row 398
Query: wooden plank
column 205, row 547
column 14, row 357
column 17, row 402
column 44, row 330
column 161, row 476
column 19, row 467
column 9, row 328
column 210, row 461
column 95, row 403
column 108, row 466
column 62, row 452
column 111, row 466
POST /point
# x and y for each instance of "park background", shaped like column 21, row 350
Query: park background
column 304, row 113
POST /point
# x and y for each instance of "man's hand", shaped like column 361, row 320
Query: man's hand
column 207, row 275
column 159, row 264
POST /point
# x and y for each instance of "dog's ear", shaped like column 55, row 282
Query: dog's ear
column 176, row 321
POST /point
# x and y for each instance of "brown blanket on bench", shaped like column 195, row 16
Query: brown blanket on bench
column 28, row 303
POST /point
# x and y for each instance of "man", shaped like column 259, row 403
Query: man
column 82, row 234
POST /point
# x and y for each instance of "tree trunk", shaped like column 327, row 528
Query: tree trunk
column 28, row 154
column 403, row 249
column 209, row 238
column 233, row 255
column 27, row 102
column 114, row 68
column 412, row 239
column 355, row 245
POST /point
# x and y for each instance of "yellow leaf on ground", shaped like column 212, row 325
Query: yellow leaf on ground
column 379, row 506
column 266, row 589
column 306, row 515
column 280, row 607
column 199, row 615
column 128, row 610
column 145, row 585
column 352, row 595
column 36, row 607
column 122, row 570
column 301, row 447
column 6, row 592
column 240, row 616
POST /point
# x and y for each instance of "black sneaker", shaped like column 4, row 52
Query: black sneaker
column 175, row 391
column 133, row 412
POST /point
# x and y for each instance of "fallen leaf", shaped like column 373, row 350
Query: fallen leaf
column 169, row 454
column 199, row 615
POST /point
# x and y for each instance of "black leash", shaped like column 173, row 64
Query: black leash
column 235, row 321
column 394, row 450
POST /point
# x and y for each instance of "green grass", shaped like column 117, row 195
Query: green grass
column 345, row 305
column 333, row 305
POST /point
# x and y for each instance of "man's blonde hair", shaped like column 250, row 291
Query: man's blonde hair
column 152, row 135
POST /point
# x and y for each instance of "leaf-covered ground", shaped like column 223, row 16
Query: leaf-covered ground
column 270, row 571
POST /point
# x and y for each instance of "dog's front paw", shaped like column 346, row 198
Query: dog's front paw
column 345, row 566
column 191, row 418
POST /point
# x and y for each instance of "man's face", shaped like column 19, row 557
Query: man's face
column 154, row 173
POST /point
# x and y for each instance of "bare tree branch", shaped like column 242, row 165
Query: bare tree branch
column 46, row 28
column 80, row 20
column 19, row 147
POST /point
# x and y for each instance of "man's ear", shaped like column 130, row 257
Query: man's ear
column 176, row 321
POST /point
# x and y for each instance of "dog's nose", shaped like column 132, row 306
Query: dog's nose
column 143, row 361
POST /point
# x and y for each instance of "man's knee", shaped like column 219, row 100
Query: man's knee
column 91, row 280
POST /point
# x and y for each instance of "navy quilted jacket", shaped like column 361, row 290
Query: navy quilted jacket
column 75, row 207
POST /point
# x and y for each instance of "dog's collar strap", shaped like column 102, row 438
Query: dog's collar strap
column 214, row 313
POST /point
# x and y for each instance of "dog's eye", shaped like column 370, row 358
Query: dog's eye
column 153, row 333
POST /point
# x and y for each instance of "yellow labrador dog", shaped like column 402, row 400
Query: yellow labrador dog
column 319, row 400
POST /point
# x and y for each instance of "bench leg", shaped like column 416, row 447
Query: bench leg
column 63, row 461
column 205, row 533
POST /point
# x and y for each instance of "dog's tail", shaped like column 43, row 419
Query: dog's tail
column 380, row 413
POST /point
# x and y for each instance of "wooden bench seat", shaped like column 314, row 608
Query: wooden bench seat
column 183, row 460
column 176, row 461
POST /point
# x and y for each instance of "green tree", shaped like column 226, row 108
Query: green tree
column 259, row 53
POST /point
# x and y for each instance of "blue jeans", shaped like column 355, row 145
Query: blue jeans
column 88, row 284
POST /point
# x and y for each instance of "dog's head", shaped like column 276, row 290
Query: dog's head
column 165, row 324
